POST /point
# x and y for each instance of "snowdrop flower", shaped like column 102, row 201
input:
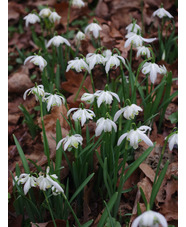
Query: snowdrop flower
column 105, row 96
column 57, row 40
column 77, row 64
column 35, row 90
column 161, row 12
column 107, row 54
column 31, row 18
column 54, row 17
column 70, row 141
column 53, row 100
column 143, row 51
column 105, row 125
column 45, row 182
column 16, row 179
column 79, row 36
column 88, row 98
column 150, row 218
column 128, row 112
column 81, row 114
column 45, row 13
column 94, row 28
column 37, row 60
column 133, row 28
column 136, row 136
column 163, row 69
column 55, row 191
column 92, row 59
column 173, row 140
column 152, row 69
column 28, row 180
column 136, row 40
column 78, row 3
column 114, row 61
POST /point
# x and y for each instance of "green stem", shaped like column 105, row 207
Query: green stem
column 68, row 15
column 130, row 57
column 82, row 82
column 92, row 82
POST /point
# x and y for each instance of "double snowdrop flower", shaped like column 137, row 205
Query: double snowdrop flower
column 53, row 100
column 39, row 90
column 94, row 28
column 31, row 18
column 153, row 69
column 70, row 141
column 105, row 96
column 79, row 36
column 136, row 40
column 105, row 125
column 161, row 12
column 150, row 218
column 28, row 181
column 37, row 60
column 54, row 17
column 88, row 98
column 173, row 140
column 142, row 50
column 77, row 64
column 78, row 3
column 136, row 136
column 114, row 60
column 45, row 13
column 48, row 181
column 92, row 59
column 57, row 40
column 133, row 28
column 81, row 114
column 129, row 112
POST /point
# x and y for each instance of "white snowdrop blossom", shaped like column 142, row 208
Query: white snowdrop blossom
column 150, row 219
column 105, row 125
column 92, row 59
column 53, row 100
column 107, row 54
column 133, row 28
column 81, row 114
column 94, row 28
column 105, row 96
column 136, row 136
column 128, row 112
column 163, row 69
column 161, row 12
column 70, row 141
column 31, row 18
column 88, row 98
column 54, row 17
column 47, row 181
column 28, row 181
column 143, row 51
column 55, row 191
column 152, row 69
column 113, row 61
column 45, row 12
column 79, row 36
column 78, row 3
column 136, row 40
column 77, row 64
column 173, row 140
column 37, row 60
column 57, row 40
column 35, row 90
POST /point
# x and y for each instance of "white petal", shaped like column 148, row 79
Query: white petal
column 122, row 137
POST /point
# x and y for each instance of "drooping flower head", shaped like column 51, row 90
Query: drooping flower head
column 77, row 64
column 114, row 60
column 45, row 12
column 70, row 141
column 37, row 60
column 161, row 12
column 105, row 125
column 105, row 96
column 150, row 219
column 39, row 90
column 129, row 112
column 136, row 136
column 31, row 18
column 92, row 59
column 142, row 50
column 173, row 140
column 79, row 36
column 93, row 28
column 88, row 98
column 53, row 100
column 133, row 28
column 57, row 40
column 107, row 54
column 81, row 114
column 54, row 17
column 78, row 3
column 28, row 181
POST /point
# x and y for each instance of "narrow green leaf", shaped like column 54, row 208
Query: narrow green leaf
column 60, row 150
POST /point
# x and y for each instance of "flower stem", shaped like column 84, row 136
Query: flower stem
column 92, row 82
column 82, row 82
